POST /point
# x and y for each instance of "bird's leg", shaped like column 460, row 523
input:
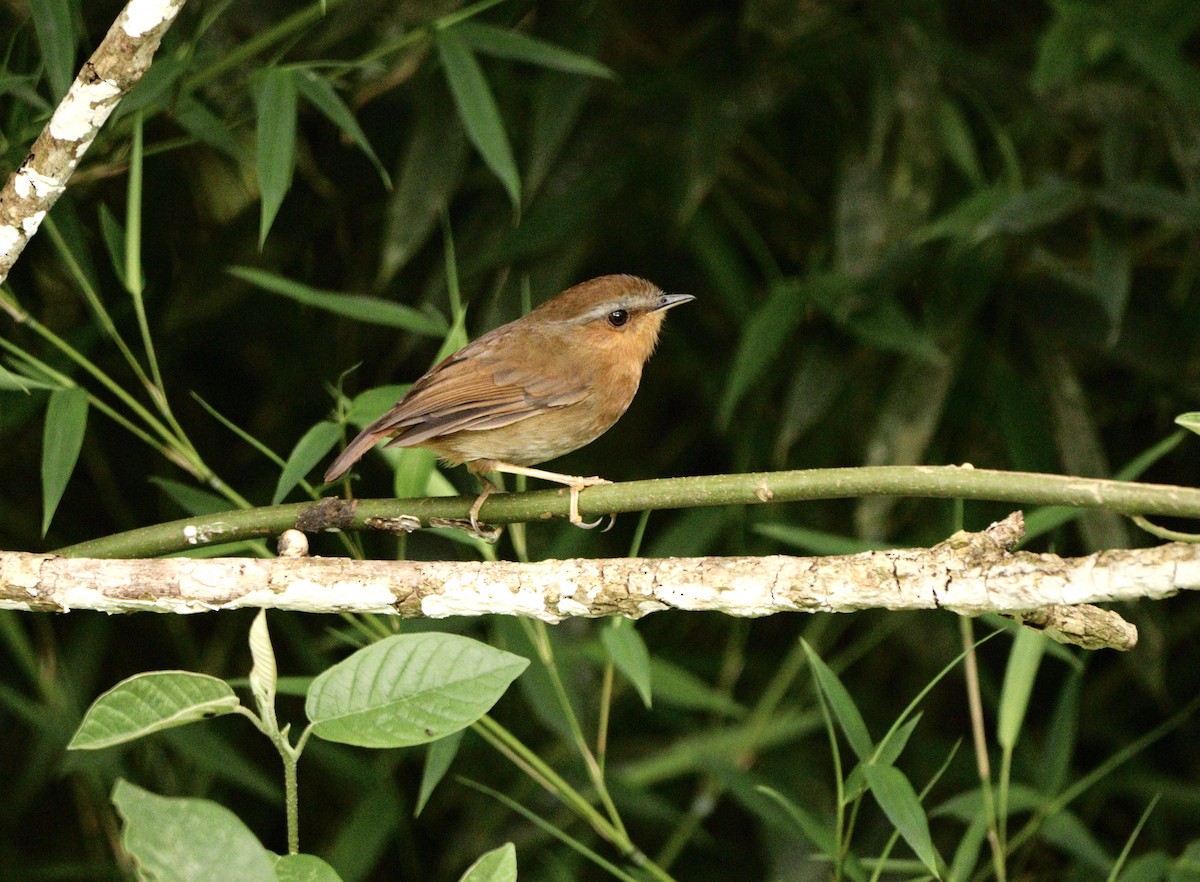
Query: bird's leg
column 488, row 489
column 574, row 482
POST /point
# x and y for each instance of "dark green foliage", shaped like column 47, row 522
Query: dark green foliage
column 918, row 232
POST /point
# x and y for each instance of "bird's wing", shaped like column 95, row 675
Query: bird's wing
column 486, row 385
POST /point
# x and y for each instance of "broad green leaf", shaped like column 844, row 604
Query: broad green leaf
column 53, row 21
column 844, row 709
column 477, row 109
column 438, row 758
column 499, row 865
column 627, row 650
column 275, row 138
column 188, row 840
column 516, row 46
column 1023, row 663
column 415, row 474
column 304, row 868
column 359, row 307
column 898, row 799
column 151, row 702
column 321, row 94
column 62, row 439
column 409, row 689
column 309, row 450
column 370, row 405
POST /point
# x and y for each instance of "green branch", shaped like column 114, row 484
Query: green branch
column 940, row 482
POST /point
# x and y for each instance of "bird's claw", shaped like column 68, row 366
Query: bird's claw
column 574, row 516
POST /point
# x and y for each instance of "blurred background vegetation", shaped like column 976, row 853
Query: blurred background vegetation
column 918, row 232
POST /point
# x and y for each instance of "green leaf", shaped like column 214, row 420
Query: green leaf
column 13, row 382
column 889, row 752
column 304, row 868
column 359, row 307
column 763, row 337
column 438, row 758
column 958, row 142
column 429, row 175
column 409, row 689
column 477, row 109
column 1040, row 206
column 898, row 799
column 53, row 21
column 516, row 46
column 264, row 675
column 309, row 451
column 844, row 709
column 816, row 541
column 188, row 840
column 66, row 422
column 114, row 241
column 151, row 702
column 368, row 406
column 678, row 687
column 1023, row 663
column 192, row 500
column 321, row 94
column 275, row 106
column 204, row 125
column 499, row 865
column 1189, row 421
column 627, row 650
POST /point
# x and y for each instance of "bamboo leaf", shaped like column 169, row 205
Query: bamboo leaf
column 275, row 105
column 478, row 111
column 321, row 94
column 66, row 422
column 360, row 307
column 515, row 46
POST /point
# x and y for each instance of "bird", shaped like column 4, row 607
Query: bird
column 532, row 390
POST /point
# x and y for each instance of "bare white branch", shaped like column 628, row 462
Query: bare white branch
column 969, row 573
column 115, row 67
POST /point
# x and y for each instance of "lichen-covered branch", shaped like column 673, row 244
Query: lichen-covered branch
column 115, row 67
column 969, row 573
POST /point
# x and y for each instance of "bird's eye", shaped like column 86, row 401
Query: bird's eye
column 618, row 317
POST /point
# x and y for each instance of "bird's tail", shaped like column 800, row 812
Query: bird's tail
column 353, row 453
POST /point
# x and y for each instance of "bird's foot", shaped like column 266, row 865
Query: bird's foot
column 577, row 485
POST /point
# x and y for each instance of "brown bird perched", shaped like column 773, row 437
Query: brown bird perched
column 534, row 389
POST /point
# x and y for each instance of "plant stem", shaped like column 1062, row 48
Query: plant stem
column 739, row 489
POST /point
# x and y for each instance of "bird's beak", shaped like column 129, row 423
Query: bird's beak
column 669, row 300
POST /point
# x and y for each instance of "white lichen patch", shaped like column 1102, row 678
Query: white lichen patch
column 569, row 606
column 470, row 596
column 84, row 110
column 9, row 237
column 31, row 184
column 142, row 16
column 30, row 225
